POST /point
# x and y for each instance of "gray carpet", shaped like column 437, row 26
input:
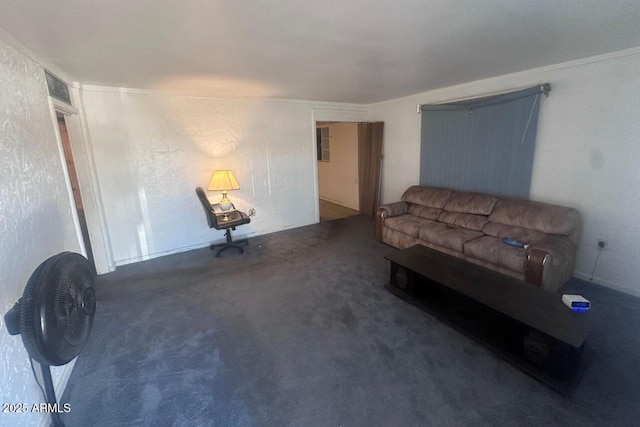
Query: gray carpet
column 299, row 331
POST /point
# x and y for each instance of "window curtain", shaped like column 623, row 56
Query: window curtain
column 369, row 162
column 483, row 145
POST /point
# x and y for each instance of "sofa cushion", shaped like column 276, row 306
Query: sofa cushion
column 424, row 211
column 523, row 235
column 441, row 234
column 493, row 250
column 472, row 203
column 537, row 216
column 472, row 222
column 427, row 196
column 407, row 224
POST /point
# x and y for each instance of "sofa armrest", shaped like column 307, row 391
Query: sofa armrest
column 536, row 261
column 550, row 262
column 388, row 210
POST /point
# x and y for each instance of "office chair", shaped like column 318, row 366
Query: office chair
column 218, row 221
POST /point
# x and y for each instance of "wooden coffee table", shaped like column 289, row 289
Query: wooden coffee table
column 528, row 326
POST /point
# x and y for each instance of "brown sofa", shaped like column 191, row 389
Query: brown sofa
column 472, row 225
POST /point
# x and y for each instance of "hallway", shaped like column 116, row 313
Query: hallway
column 330, row 211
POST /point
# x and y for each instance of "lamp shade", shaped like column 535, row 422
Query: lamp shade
column 223, row 180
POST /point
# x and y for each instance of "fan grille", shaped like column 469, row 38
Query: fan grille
column 58, row 308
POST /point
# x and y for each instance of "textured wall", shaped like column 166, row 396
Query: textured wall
column 338, row 178
column 587, row 152
column 151, row 151
column 35, row 215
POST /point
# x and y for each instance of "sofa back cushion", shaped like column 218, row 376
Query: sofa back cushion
column 471, row 203
column 470, row 221
column 423, row 211
column 543, row 217
column 427, row 196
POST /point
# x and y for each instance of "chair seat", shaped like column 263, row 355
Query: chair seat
column 235, row 218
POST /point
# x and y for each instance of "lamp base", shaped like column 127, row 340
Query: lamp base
column 225, row 203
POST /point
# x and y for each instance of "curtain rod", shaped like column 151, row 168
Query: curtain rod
column 545, row 88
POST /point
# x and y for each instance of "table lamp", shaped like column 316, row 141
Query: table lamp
column 223, row 180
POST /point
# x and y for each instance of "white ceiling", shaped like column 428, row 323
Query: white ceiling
column 359, row 51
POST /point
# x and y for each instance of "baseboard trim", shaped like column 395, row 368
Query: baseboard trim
column 206, row 244
column 607, row 284
column 337, row 202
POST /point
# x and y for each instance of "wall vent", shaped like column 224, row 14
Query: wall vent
column 57, row 88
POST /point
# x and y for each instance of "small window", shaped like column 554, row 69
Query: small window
column 322, row 141
column 57, row 88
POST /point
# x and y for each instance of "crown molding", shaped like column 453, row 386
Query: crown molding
column 483, row 83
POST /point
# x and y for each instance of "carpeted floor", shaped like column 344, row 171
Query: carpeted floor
column 299, row 331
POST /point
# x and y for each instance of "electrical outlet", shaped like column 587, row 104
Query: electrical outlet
column 251, row 212
column 602, row 244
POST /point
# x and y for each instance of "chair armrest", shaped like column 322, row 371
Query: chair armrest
column 550, row 259
column 388, row 210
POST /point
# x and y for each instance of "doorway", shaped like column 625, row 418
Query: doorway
column 349, row 156
column 337, row 156
column 75, row 186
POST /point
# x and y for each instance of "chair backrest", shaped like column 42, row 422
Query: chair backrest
column 211, row 218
